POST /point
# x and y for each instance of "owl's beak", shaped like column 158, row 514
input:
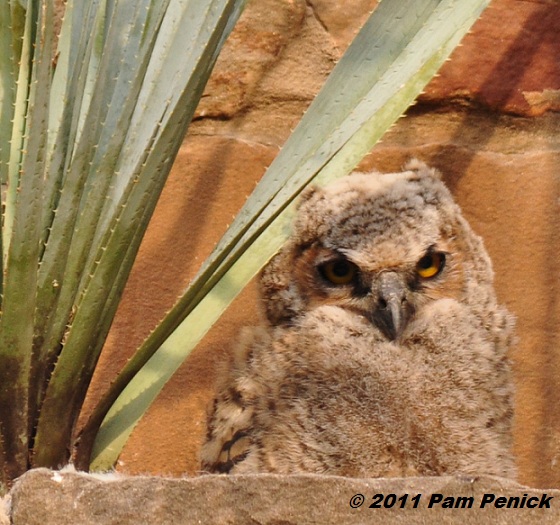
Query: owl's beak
column 393, row 311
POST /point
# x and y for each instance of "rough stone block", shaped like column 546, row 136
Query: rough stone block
column 43, row 496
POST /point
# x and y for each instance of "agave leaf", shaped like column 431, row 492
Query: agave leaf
column 135, row 160
column 65, row 107
column 75, row 62
column 398, row 50
column 114, row 81
column 21, row 233
column 12, row 20
column 8, row 74
column 20, row 100
column 163, row 364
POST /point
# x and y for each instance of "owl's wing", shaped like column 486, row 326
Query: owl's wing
column 228, row 440
column 229, row 437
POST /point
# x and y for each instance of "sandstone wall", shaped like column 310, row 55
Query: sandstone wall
column 489, row 122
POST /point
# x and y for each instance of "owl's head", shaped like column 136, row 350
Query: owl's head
column 380, row 245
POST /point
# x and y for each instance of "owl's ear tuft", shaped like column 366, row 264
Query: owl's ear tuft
column 421, row 169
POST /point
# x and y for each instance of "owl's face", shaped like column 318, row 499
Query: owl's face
column 382, row 246
column 387, row 290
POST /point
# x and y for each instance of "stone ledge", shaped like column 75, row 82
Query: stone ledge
column 42, row 496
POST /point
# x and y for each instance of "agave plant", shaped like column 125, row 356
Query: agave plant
column 87, row 138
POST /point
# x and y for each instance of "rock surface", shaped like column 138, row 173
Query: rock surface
column 508, row 63
column 43, row 497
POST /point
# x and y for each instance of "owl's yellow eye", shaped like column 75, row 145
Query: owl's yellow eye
column 339, row 272
column 430, row 265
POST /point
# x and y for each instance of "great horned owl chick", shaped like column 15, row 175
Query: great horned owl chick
column 384, row 353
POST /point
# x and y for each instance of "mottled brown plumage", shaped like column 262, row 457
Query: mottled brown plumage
column 384, row 350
